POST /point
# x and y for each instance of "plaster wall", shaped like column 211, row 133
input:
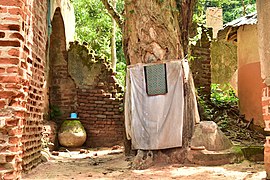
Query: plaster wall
column 214, row 19
column 263, row 7
column 249, row 74
column 224, row 63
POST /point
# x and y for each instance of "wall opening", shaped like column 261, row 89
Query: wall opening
column 62, row 89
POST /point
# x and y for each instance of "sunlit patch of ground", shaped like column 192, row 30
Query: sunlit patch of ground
column 112, row 164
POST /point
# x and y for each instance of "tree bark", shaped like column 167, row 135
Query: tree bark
column 113, row 41
column 112, row 11
column 244, row 8
column 186, row 8
column 151, row 31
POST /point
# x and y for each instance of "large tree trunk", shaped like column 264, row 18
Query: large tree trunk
column 151, row 31
column 157, row 30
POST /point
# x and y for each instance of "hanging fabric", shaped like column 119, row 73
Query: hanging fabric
column 156, row 79
column 156, row 121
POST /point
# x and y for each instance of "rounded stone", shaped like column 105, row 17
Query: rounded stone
column 208, row 127
column 208, row 135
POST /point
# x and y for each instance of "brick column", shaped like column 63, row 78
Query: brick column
column 266, row 118
column 12, row 88
column 23, row 35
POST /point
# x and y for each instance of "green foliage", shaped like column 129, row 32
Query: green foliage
column 223, row 97
column 232, row 9
column 94, row 26
column 121, row 73
column 198, row 36
column 220, row 99
column 55, row 112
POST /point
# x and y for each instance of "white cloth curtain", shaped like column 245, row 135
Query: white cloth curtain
column 154, row 122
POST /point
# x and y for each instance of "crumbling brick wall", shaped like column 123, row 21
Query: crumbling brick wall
column 23, row 36
column 100, row 101
column 201, row 64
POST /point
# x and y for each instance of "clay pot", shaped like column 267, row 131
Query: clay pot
column 72, row 134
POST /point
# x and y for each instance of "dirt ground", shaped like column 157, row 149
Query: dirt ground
column 112, row 164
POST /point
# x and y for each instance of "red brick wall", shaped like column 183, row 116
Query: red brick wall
column 23, row 32
column 36, row 62
column 100, row 102
column 101, row 116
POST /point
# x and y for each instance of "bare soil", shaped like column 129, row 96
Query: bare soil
column 112, row 164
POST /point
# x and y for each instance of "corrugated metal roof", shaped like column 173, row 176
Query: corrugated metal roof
column 246, row 20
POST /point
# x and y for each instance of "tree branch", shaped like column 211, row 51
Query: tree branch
column 112, row 11
column 186, row 8
column 244, row 7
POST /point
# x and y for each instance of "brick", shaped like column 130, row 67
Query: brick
column 15, row 11
column 17, row 3
column 13, row 86
column 12, row 70
column 14, row 140
column 10, row 176
column 266, row 103
column 13, row 27
column 108, row 106
column 10, row 43
column 101, row 116
column 109, row 113
column 100, row 102
column 7, row 61
column 3, row 10
column 7, row 94
column 2, row 70
column 2, row 34
column 17, row 36
column 9, row 79
column 2, row 103
column 2, row 159
column 266, row 117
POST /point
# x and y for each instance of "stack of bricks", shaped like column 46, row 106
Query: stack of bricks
column 201, row 64
column 22, row 58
